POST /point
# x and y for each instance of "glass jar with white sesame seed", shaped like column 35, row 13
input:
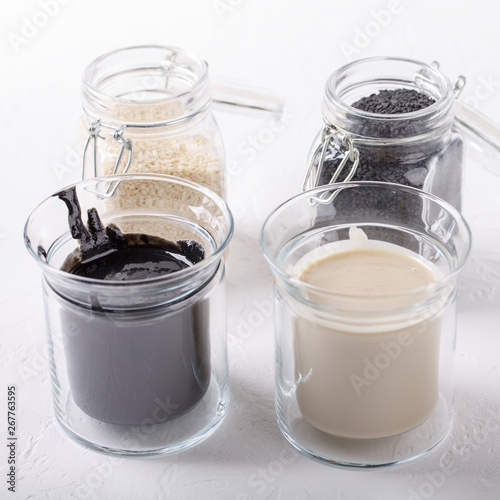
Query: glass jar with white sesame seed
column 148, row 110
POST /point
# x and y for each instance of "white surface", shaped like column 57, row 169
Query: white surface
column 290, row 46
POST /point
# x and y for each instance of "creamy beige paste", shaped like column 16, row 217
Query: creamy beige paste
column 367, row 371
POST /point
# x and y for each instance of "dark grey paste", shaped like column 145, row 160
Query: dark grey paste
column 139, row 366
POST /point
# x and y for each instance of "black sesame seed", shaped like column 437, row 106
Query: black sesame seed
column 400, row 164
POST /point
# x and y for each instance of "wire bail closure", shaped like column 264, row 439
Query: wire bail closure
column 328, row 135
column 117, row 135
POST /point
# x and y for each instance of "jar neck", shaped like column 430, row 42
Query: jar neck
column 146, row 86
column 369, row 76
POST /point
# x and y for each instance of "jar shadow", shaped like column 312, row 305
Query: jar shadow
column 249, row 433
column 475, row 427
column 480, row 284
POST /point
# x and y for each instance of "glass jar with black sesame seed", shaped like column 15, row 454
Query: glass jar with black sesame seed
column 390, row 120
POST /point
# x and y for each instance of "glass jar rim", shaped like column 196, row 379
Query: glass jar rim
column 195, row 97
column 431, row 120
column 209, row 262
column 92, row 85
column 335, row 77
column 318, row 191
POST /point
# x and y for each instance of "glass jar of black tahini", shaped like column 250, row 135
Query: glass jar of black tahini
column 390, row 120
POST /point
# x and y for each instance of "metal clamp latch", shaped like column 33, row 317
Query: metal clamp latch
column 328, row 135
column 126, row 144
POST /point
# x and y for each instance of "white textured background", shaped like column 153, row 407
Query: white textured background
column 290, row 46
